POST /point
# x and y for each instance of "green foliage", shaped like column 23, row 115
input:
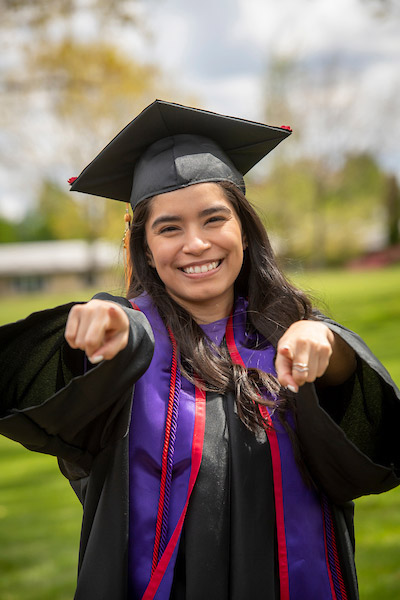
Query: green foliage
column 39, row 13
column 70, row 217
column 60, row 215
column 92, row 81
column 322, row 216
column 360, row 175
column 88, row 85
column 392, row 205
column 8, row 231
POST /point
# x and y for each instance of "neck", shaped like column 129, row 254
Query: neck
column 208, row 312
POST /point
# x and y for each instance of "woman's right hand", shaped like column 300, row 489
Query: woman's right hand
column 99, row 327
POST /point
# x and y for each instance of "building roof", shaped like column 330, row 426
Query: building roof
column 56, row 257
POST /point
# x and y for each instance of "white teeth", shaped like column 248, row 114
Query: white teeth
column 202, row 269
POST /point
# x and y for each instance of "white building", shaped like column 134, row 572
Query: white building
column 59, row 266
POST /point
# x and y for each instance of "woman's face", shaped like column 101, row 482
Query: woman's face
column 195, row 243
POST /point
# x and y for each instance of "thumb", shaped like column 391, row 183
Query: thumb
column 283, row 366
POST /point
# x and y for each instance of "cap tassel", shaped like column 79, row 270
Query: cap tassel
column 125, row 239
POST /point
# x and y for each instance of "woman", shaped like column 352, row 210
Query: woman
column 254, row 423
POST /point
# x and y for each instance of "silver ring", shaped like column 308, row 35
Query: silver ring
column 300, row 367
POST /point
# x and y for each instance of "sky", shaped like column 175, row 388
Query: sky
column 225, row 58
column 220, row 52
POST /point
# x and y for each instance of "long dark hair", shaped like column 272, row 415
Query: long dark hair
column 273, row 305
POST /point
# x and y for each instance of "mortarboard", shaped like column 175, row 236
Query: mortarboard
column 169, row 146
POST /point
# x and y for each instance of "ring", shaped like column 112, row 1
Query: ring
column 301, row 367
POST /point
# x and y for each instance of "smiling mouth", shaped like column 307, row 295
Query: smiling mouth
column 202, row 268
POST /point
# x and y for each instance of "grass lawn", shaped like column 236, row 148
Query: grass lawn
column 40, row 517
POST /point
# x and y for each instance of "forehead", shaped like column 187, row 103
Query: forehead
column 189, row 201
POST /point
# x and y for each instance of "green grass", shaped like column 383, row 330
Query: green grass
column 17, row 307
column 367, row 302
column 39, row 527
column 40, row 517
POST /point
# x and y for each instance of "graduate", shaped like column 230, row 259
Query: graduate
column 215, row 426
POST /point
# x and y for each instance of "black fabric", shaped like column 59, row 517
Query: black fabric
column 343, row 516
column 358, row 453
column 233, row 147
column 89, row 411
column 103, row 554
column 227, row 550
column 179, row 161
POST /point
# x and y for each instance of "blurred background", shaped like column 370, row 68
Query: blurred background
column 75, row 72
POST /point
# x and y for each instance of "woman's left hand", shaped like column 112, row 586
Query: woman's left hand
column 309, row 350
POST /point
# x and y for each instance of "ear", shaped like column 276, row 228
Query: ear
column 244, row 242
column 150, row 260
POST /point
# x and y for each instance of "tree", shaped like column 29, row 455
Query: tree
column 86, row 83
column 383, row 8
column 392, row 205
column 38, row 14
column 93, row 89
column 61, row 216
column 64, row 95
column 350, row 203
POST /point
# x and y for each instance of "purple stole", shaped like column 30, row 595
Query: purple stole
column 166, row 441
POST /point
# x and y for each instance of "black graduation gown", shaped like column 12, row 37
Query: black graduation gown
column 47, row 403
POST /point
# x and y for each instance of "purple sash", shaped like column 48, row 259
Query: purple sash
column 158, row 499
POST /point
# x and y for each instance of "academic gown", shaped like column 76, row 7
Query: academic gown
column 51, row 403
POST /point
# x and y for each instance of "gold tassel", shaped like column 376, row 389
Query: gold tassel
column 125, row 239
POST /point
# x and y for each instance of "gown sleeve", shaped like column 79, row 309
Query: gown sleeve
column 53, row 401
column 348, row 434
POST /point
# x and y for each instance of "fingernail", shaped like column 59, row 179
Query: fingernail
column 292, row 389
column 96, row 359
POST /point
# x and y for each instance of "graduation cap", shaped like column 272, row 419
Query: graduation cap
column 169, row 146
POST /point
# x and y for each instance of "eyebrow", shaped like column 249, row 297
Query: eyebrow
column 204, row 213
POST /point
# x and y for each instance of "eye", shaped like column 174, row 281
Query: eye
column 168, row 229
column 216, row 219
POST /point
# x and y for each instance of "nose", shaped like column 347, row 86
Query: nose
column 195, row 243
